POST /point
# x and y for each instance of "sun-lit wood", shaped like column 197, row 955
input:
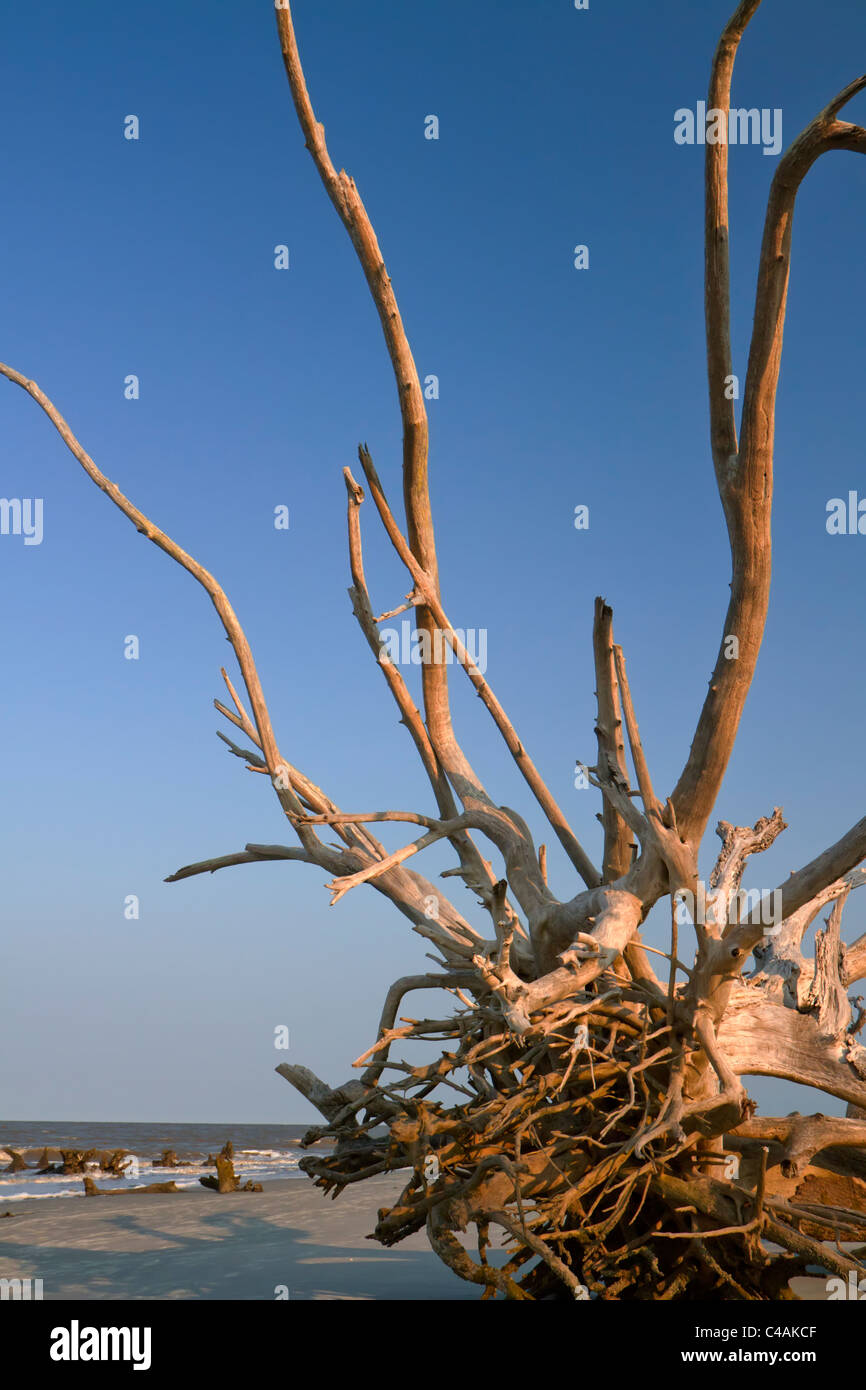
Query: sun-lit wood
column 593, row 1111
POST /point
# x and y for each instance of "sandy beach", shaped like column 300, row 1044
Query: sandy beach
column 200, row 1245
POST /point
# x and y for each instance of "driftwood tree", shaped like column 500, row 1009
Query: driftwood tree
column 592, row 1110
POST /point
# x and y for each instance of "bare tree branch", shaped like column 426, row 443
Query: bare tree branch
column 611, row 750
column 347, row 201
column 746, row 478
column 717, row 277
column 567, row 839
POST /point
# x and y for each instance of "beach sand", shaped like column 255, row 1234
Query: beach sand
column 200, row 1245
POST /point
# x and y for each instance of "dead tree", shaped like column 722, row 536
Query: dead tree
column 91, row 1190
column 589, row 1107
column 226, row 1179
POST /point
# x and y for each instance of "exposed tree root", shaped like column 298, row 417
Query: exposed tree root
column 566, row 1144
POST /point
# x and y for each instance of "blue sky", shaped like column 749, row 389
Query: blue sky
column 558, row 387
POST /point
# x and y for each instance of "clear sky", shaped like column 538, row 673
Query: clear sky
column 558, row 387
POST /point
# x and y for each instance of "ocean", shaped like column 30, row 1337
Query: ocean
column 260, row 1152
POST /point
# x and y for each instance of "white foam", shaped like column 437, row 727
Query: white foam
column 250, row 1165
column 34, row 1196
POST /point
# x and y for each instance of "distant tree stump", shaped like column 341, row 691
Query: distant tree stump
column 75, row 1161
column 226, row 1179
column 115, row 1164
column 170, row 1160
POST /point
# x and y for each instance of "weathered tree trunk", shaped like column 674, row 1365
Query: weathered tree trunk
column 226, row 1179
column 91, row 1190
column 115, row 1163
column 170, row 1159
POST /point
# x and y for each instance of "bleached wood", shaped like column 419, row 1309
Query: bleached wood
column 594, row 1107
